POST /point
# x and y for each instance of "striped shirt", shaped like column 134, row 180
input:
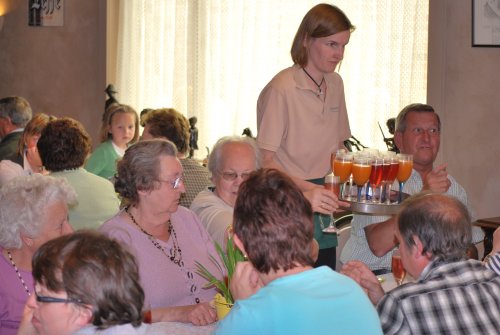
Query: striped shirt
column 449, row 298
column 494, row 263
column 357, row 245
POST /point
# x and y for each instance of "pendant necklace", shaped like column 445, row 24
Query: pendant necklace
column 319, row 91
column 176, row 250
column 18, row 273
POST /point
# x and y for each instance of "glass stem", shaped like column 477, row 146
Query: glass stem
column 359, row 193
column 400, row 195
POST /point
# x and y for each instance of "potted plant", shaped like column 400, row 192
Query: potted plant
column 224, row 299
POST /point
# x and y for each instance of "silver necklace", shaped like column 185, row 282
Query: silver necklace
column 18, row 273
column 319, row 91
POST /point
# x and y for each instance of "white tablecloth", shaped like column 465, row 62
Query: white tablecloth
column 179, row 328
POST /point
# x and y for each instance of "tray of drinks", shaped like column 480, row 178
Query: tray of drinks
column 371, row 204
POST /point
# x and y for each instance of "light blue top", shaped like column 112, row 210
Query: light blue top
column 317, row 301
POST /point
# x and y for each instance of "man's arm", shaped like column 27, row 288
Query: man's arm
column 380, row 236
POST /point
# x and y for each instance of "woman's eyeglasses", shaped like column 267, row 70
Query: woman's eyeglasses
column 231, row 176
column 45, row 299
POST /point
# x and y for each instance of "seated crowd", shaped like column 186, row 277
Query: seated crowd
column 147, row 215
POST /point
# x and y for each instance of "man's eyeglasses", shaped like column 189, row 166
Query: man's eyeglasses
column 231, row 176
column 174, row 183
column 42, row 298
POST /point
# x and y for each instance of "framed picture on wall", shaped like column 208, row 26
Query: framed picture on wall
column 46, row 13
column 486, row 23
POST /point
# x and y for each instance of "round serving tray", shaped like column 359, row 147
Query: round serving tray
column 368, row 207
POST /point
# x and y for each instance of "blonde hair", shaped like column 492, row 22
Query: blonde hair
column 107, row 118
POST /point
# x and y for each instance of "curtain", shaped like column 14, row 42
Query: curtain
column 211, row 59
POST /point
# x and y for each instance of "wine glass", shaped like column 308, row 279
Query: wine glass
column 404, row 172
column 398, row 271
column 342, row 167
column 361, row 169
column 391, row 175
column 332, row 183
column 376, row 176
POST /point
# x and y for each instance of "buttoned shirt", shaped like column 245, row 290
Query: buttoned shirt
column 357, row 247
column 449, row 298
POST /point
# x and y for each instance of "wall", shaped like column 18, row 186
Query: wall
column 464, row 87
column 60, row 70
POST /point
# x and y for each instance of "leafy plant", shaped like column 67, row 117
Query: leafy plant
column 230, row 257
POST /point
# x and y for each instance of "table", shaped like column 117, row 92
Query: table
column 488, row 225
column 388, row 282
column 179, row 328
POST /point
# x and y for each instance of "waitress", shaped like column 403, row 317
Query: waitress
column 302, row 116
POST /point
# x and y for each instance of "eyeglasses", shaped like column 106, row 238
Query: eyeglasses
column 174, row 183
column 41, row 298
column 231, row 176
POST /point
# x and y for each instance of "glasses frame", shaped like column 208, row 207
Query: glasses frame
column 234, row 175
column 46, row 299
column 176, row 183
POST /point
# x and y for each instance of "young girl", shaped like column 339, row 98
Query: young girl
column 120, row 127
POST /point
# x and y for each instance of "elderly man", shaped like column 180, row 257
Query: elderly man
column 418, row 132
column 452, row 295
column 230, row 163
column 171, row 125
column 15, row 113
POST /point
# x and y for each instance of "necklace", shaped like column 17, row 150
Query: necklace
column 173, row 252
column 18, row 273
column 319, row 91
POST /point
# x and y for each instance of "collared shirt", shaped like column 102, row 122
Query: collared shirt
column 357, row 245
column 299, row 126
column 449, row 298
column 493, row 263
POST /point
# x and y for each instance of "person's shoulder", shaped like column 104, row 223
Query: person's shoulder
column 283, row 79
column 204, row 199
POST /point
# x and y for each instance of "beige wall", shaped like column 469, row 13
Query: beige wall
column 464, row 87
column 60, row 70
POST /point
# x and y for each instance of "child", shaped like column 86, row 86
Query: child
column 120, row 127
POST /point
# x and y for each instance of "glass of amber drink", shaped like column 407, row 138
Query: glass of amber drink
column 398, row 271
column 361, row 169
column 342, row 167
column 332, row 183
column 404, row 172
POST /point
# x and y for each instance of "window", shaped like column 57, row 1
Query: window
column 211, row 59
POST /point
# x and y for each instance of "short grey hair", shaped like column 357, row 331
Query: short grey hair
column 23, row 200
column 418, row 108
column 441, row 222
column 17, row 110
column 215, row 158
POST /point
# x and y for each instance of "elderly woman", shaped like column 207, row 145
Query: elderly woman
column 85, row 283
column 26, row 160
column 230, row 163
column 273, row 226
column 169, row 124
column 64, row 145
column 33, row 210
column 167, row 239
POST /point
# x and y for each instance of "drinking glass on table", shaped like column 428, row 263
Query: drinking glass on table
column 404, row 172
column 342, row 167
column 332, row 183
column 398, row 271
column 361, row 169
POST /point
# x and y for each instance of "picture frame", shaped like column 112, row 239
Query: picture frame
column 46, row 13
column 486, row 23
